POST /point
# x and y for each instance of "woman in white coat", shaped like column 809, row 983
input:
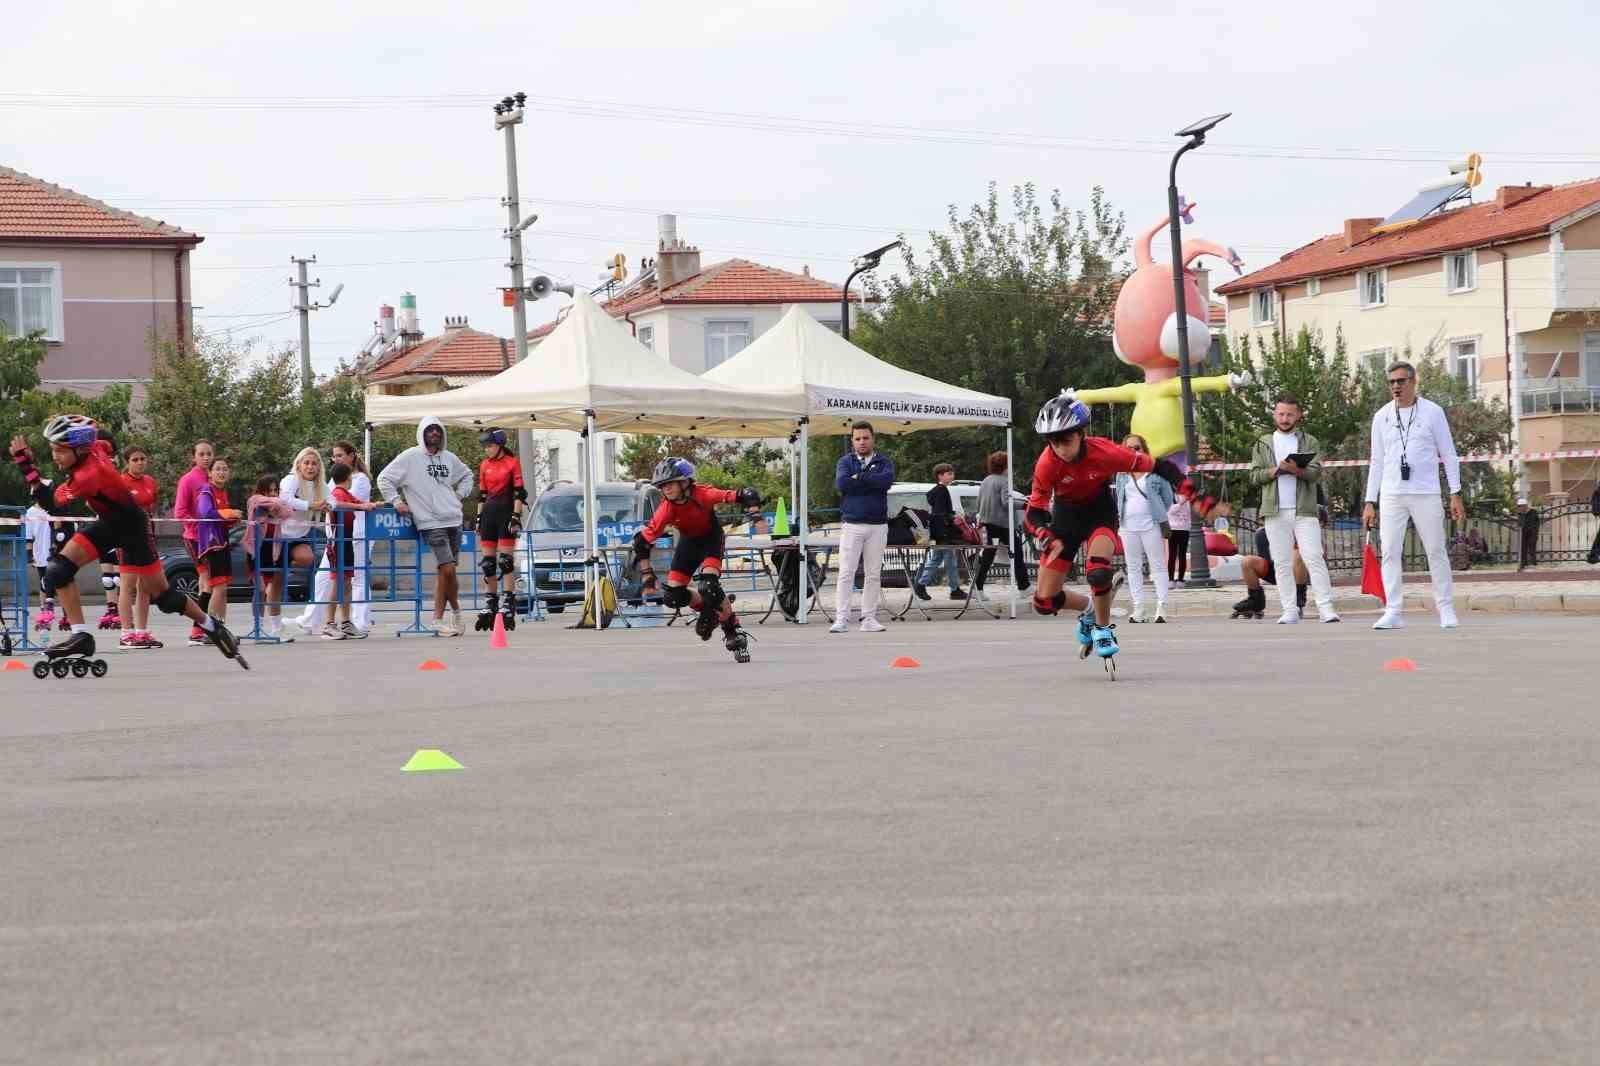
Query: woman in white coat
column 1142, row 505
column 301, row 534
column 316, row 615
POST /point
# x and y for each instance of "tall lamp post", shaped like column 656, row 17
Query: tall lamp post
column 863, row 264
column 1199, row 568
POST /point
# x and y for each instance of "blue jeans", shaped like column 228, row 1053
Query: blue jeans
column 947, row 559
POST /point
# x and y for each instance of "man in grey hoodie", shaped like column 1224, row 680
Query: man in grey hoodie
column 428, row 483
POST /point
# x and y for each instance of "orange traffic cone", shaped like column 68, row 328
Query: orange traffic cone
column 905, row 662
column 497, row 639
column 1399, row 666
column 14, row 664
column 431, row 664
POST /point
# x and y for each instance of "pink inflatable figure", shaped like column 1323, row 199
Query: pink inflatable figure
column 1145, row 334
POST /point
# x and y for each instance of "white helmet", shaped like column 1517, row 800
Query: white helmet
column 1061, row 413
column 75, row 431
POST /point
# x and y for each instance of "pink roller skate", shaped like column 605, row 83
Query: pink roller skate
column 111, row 619
column 46, row 617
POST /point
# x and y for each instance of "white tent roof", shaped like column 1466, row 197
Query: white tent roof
column 591, row 362
column 819, row 373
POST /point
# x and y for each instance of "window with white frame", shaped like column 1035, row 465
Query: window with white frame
column 1263, row 309
column 1591, row 359
column 1377, row 359
column 30, row 299
column 1461, row 272
column 647, row 337
column 1464, row 364
column 725, row 338
column 1314, row 287
column 1374, row 286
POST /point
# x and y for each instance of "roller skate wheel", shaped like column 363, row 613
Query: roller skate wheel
column 61, row 668
column 99, row 668
column 41, row 669
column 1111, row 666
column 80, row 668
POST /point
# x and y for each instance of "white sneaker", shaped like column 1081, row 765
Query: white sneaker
column 445, row 629
column 1161, row 611
column 1447, row 618
column 455, row 622
column 1390, row 620
column 980, row 596
column 1137, row 614
column 871, row 625
column 1290, row 617
column 841, row 626
column 1329, row 614
column 332, row 632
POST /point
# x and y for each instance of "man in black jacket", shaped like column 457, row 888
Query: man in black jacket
column 941, row 529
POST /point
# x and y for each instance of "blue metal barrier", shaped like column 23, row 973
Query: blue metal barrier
column 16, row 580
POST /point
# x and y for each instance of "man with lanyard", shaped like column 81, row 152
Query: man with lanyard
column 1410, row 438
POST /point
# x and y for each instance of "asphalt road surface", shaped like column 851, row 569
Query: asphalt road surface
column 1257, row 846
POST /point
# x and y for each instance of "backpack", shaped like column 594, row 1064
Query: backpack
column 786, row 563
column 910, row 526
column 608, row 603
column 965, row 531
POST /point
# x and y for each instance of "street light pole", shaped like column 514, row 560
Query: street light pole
column 863, row 264
column 507, row 117
column 1199, row 566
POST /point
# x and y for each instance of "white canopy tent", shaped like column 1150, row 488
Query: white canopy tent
column 591, row 374
column 826, row 383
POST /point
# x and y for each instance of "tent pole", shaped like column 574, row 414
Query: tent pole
column 591, row 539
column 804, row 493
column 1011, row 527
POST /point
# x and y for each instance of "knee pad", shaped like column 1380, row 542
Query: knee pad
column 58, row 573
column 1099, row 573
column 1051, row 606
column 676, row 596
column 508, row 565
column 711, row 594
column 486, row 564
column 171, row 601
column 108, row 582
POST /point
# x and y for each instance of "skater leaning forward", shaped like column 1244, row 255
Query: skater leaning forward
column 1071, row 506
column 690, row 509
column 502, row 497
column 120, row 523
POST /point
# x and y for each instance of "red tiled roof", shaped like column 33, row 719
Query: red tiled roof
column 733, row 281
column 459, row 351
column 1217, row 314
column 1468, row 227
column 35, row 210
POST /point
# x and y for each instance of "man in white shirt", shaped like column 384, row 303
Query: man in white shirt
column 1410, row 438
column 1289, row 509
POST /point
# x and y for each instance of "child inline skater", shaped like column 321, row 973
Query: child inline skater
column 89, row 475
column 1071, row 505
column 690, row 508
column 501, row 500
column 133, row 603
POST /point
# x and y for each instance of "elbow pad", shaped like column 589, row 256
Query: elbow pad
column 520, row 494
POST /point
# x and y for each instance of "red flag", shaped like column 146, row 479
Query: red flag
column 1372, row 574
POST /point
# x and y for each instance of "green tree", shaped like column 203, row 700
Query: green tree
column 1013, row 302
column 19, row 373
column 724, row 463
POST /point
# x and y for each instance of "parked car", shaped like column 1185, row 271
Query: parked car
column 181, row 574
column 555, row 525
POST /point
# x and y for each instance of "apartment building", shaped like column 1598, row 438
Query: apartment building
column 1506, row 291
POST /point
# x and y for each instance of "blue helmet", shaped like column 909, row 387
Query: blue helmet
column 672, row 469
column 493, row 435
column 75, row 431
column 1061, row 413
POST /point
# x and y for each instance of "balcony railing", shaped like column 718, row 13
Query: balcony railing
column 1559, row 398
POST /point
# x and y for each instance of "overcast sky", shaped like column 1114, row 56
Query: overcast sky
column 815, row 129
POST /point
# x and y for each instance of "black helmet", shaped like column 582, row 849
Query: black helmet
column 672, row 468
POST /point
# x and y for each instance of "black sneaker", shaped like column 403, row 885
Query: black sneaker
column 958, row 594
column 921, row 591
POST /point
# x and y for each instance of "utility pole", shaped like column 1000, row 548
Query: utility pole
column 303, row 306
column 507, row 117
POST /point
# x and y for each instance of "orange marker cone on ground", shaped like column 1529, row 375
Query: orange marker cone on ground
column 497, row 639
column 1399, row 666
column 431, row 664
column 905, row 662
column 13, row 664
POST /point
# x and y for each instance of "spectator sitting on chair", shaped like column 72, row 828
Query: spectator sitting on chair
column 941, row 530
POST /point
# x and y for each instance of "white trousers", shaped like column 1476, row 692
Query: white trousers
column 860, row 543
column 1138, row 547
column 315, row 616
column 1425, row 511
column 1283, row 532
